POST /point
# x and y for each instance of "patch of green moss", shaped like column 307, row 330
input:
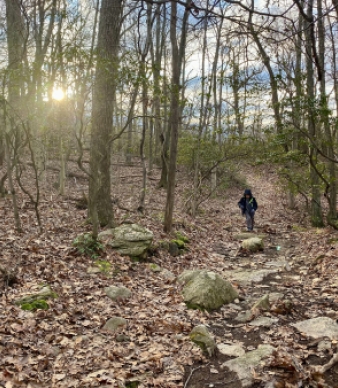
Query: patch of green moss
column 40, row 304
column 181, row 237
column 298, row 228
column 103, row 265
column 179, row 243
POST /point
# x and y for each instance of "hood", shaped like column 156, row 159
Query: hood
column 247, row 192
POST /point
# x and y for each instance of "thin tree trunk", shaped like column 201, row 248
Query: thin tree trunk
column 178, row 52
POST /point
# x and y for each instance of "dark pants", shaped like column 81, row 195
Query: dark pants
column 250, row 221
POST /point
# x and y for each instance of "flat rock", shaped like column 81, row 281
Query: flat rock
column 43, row 294
column 233, row 350
column 247, row 235
column 154, row 267
column 244, row 316
column 116, row 293
column 318, row 327
column 263, row 322
column 167, row 275
column 245, row 364
column 263, row 303
column 128, row 239
column 246, row 277
column 94, row 270
column 114, row 324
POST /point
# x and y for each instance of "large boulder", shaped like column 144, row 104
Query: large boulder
column 206, row 290
column 128, row 239
column 253, row 244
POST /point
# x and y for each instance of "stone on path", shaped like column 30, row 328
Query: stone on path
column 116, row 293
column 253, row 244
column 262, row 303
column 246, row 277
column 318, row 327
column 232, row 350
column 263, row 322
column 128, row 239
column 207, row 290
column 244, row 365
column 247, row 235
column 201, row 337
column 114, row 324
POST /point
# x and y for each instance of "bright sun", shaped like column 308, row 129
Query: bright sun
column 58, row 94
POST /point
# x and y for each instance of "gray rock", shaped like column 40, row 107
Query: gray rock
column 114, row 324
column 201, row 337
column 253, row 244
column 246, row 277
column 324, row 345
column 244, row 316
column 262, row 303
column 318, row 327
column 45, row 293
column 248, row 235
column 128, row 239
column 122, row 338
column 154, row 267
column 207, row 291
column 167, row 275
column 263, row 322
column 244, row 365
column 116, row 293
column 233, row 350
column 188, row 275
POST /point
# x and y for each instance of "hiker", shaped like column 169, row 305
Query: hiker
column 248, row 205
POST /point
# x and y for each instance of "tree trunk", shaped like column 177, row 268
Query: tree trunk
column 102, row 111
column 315, row 206
column 178, row 52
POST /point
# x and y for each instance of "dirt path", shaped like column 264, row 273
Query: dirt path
column 66, row 346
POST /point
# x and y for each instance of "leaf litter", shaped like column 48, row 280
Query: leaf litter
column 66, row 345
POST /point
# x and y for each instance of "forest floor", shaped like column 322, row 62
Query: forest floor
column 66, row 346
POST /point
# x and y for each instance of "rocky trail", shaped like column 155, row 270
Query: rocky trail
column 115, row 322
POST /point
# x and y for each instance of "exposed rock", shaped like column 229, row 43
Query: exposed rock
column 263, row 322
column 167, row 275
column 116, row 293
column 207, row 291
column 122, row 338
column 318, row 327
column 93, row 270
column 114, row 324
column 129, row 239
column 45, row 293
column 201, row 337
column 246, row 277
column 262, row 303
column 248, row 235
column 244, row 365
column 173, row 249
column 233, row 350
column 244, row 316
column 154, row 267
column 253, row 244
column 188, row 275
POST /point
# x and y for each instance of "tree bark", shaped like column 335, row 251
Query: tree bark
column 102, row 111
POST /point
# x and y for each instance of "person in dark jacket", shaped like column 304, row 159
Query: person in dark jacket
column 248, row 205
